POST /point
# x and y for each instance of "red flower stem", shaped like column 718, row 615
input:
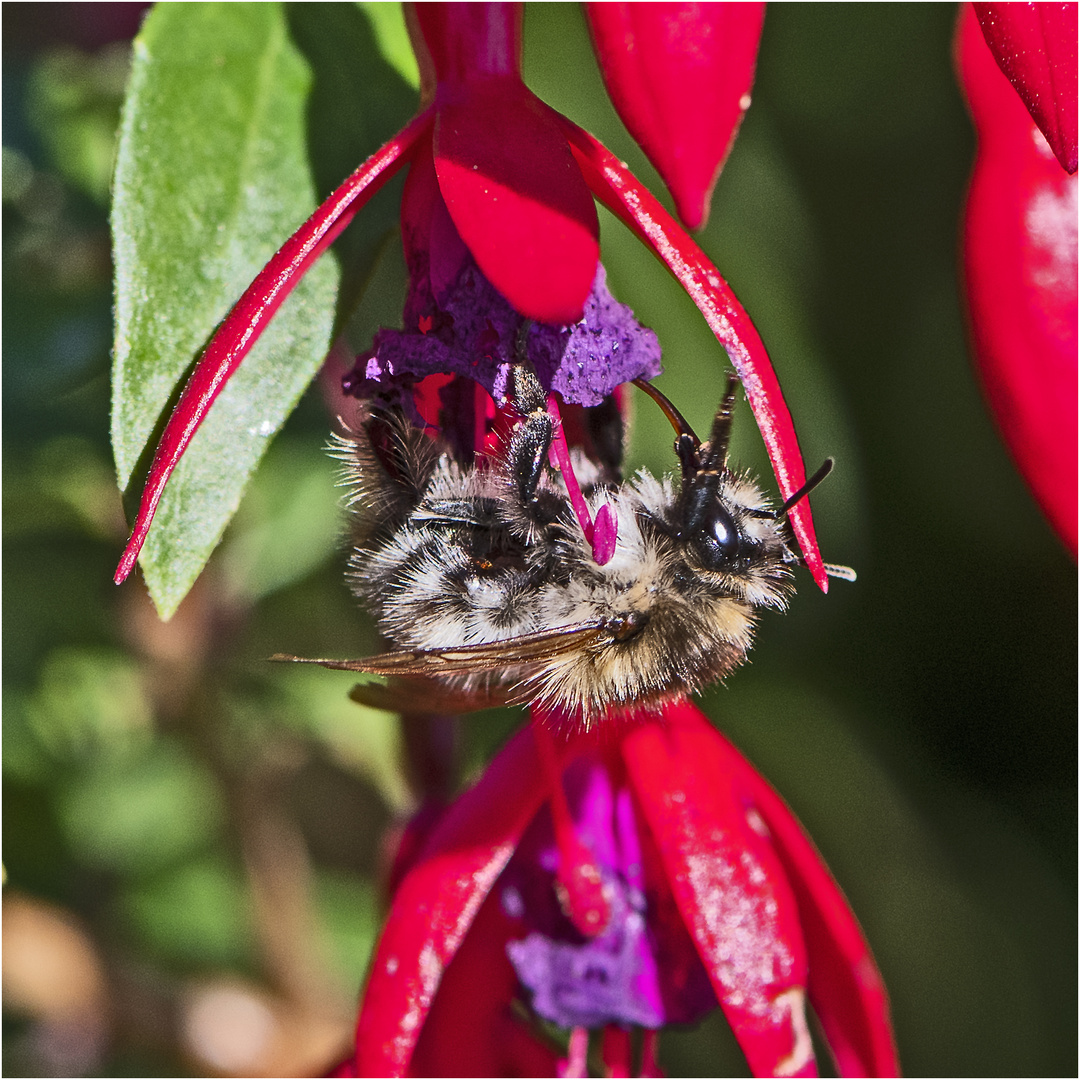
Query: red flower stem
column 251, row 313
column 578, row 875
column 613, row 184
column 615, row 1050
column 650, row 1059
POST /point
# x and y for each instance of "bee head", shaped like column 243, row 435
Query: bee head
column 704, row 523
column 713, row 527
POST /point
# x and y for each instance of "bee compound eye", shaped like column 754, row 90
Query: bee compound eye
column 720, row 543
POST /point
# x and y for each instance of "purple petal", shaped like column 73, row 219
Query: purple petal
column 471, row 330
column 639, row 970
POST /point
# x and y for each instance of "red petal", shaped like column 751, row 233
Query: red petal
column 845, row 986
column 248, row 318
column 680, row 77
column 729, row 886
column 437, row 901
column 617, row 189
column 1035, row 45
column 518, row 199
column 1020, row 263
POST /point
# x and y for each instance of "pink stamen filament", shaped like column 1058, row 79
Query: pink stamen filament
column 577, row 1054
column 579, row 880
column 602, row 534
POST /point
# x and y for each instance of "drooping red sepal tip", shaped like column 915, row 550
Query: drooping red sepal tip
column 249, row 316
column 617, row 188
column 1035, row 46
column 808, row 912
column 846, row 988
column 679, row 76
column 724, row 873
column 518, row 199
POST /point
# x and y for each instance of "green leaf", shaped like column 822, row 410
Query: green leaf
column 388, row 25
column 239, row 118
column 212, row 176
column 141, row 815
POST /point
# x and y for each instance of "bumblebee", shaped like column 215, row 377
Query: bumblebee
column 486, row 586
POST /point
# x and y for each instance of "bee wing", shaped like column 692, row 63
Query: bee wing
column 489, row 656
column 429, row 697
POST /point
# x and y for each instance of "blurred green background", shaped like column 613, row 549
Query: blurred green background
column 194, row 840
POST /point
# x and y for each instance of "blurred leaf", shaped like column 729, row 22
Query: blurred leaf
column 364, row 741
column 68, row 486
column 89, row 704
column 75, row 108
column 349, row 915
column 212, row 177
column 140, row 816
column 24, row 757
column 196, row 916
column 388, row 23
column 288, row 525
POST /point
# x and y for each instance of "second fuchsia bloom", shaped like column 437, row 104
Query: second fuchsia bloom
column 1020, row 255
column 1035, row 47
column 710, row 893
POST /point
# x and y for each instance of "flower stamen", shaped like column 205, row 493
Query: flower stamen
column 602, row 533
column 577, row 1054
column 579, row 883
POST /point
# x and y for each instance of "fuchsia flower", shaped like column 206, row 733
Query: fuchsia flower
column 516, row 180
column 1020, row 238
column 666, row 877
column 639, row 879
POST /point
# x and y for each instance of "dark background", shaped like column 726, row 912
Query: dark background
column 193, row 843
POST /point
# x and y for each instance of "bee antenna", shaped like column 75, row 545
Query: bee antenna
column 720, row 435
column 686, row 442
column 826, row 468
column 675, row 418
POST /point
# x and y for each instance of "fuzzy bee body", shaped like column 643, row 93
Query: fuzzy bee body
column 486, row 586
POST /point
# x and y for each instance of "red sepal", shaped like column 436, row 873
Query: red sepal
column 613, row 184
column 1020, row 268
column 845, row 985
column 1035, row 46
column 438, row 900
column 679, row 76
column 249, row 316
column 728, row 884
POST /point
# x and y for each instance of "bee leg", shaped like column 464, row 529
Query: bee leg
column 531, row 441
